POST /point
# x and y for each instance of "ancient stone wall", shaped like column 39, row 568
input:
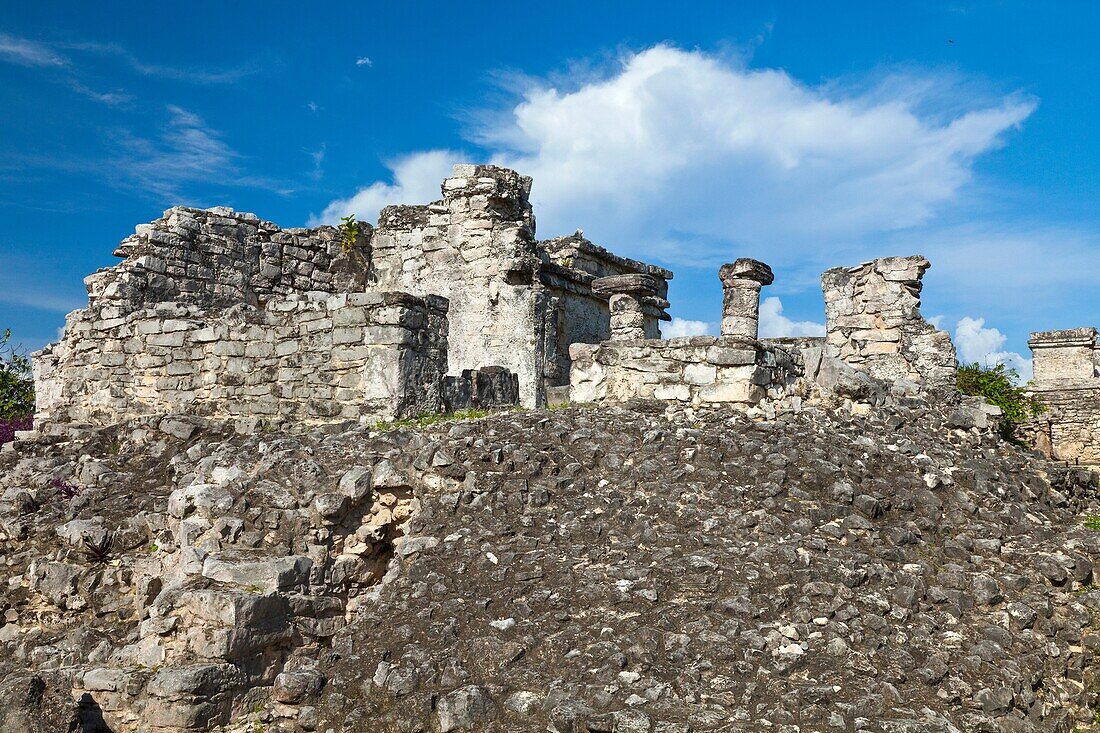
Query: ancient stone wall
column 515, row 302
column 477, row 249
column 873, row 319
column 218, row 257
column 305, row 358
column 1067, row 382
column 696, row 370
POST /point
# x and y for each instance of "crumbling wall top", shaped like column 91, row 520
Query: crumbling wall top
column 873, row 319
column 219, row 257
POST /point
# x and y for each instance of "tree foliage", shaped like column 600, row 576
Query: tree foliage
column 997, row 384
column 16, row 384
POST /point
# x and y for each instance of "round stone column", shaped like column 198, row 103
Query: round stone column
column 741, row 283
column 625, row 294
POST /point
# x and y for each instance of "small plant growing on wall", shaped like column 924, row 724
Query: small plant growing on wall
column 349, row 233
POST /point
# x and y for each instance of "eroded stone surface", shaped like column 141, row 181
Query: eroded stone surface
column 873, row 319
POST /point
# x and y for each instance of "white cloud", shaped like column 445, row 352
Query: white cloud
column 416, row 179
column 318, row 158
column 976, row 343
column 773, row 324
column 186, row 151
column 679, row 327
column 25, row 52
column 682, row 156
column 364, row 61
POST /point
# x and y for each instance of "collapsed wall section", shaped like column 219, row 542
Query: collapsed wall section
column 307, row 358
column 696, row 370
column 1067, row 382
column 873, row 319
column 219, row 257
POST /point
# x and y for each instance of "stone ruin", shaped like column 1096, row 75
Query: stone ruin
column 442, row 306
column 456, row 304
column 1067, row 382
column 873, row 328
column 255, row 571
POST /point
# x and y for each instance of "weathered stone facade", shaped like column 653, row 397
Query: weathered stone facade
column 732, row 368
column 515, row 303
column 1067, row 382
column 872, row 314
column 695, row 370
column 218, row 258
column 307, row 358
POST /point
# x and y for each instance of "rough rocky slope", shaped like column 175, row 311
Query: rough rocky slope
column 627, row 569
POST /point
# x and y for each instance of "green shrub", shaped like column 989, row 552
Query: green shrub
column 16, row 384
column 997, row 384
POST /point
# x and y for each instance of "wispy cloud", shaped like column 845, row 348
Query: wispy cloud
column 364, row 61
column 187, row 151
column 193, row 75
column 111, row 99
column 26, row 52
column 32, row 53
column 318, row 157
column 312, row 106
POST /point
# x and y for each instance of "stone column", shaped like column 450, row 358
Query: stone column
column 741, row 283
column 625, row 294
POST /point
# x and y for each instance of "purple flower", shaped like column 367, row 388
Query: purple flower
column 64, row 490
column 9, row 427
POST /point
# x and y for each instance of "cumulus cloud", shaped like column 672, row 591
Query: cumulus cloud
column 415, row 179
column 679, row 153
column 679, row 327
column 773, row 324
column 974, row 342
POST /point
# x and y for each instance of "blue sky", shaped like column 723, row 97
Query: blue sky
column 807, row 134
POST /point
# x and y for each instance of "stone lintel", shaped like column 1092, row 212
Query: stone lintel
column 1070, row 337
column 636, row 284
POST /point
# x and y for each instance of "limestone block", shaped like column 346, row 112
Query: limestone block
column 257, row 568
column 739, row 391
column 700, row 374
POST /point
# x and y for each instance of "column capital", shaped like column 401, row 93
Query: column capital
column 746, row 269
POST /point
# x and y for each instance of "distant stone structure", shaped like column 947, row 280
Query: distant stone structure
column 515, row 302
column 873, row 320
column 874, row 329
column 1067, row 381
column 441, row 306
